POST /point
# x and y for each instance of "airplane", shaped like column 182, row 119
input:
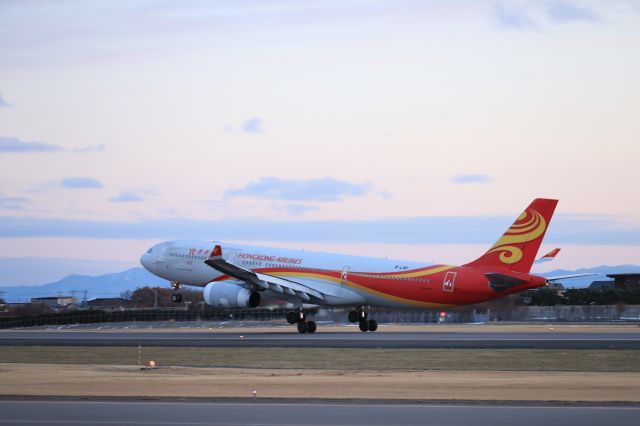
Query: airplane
column 238, row 276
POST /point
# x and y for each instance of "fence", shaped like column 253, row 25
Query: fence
column 629, row 313
column 99, row 316
column 584, row 313
column 591, row 313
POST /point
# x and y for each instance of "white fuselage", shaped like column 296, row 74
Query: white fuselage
column 183, row 261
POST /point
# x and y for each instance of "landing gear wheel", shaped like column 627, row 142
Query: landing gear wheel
column 353, row 316
column 364, row 325
column 363, row 315
column 311, row 327
column 302, row 327
column 176, row 297
column 292, row 317
column 373, row 325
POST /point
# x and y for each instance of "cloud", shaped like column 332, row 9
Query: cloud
column 13, row 203
column 127, row 197
column 517, row 15
column 89, row 149
column 295, row 209
column 3, row 103
column 512, row 17
column 564, row 229
column 15, row 145
column 462, row 179
column 253, row 125
column 563, row 11
column 80, row 183
column 321, row 189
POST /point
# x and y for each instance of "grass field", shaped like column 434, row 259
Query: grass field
column 521, row 375
column 602, row 376
column 337, row 359
column 80, row 380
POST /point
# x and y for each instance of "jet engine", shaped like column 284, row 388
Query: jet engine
column 229, row 295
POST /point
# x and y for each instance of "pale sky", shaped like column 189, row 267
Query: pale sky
column 413, row 129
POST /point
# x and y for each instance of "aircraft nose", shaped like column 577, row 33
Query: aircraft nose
column 145, row 259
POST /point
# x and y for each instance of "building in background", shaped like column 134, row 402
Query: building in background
column 626, row 281
column 56, row 302
column 110, row 303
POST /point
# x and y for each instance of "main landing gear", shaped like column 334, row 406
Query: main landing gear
column 299, row 317
column 177, row 296
column 361, row 316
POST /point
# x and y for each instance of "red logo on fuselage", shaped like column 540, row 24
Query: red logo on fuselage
column 449, row 282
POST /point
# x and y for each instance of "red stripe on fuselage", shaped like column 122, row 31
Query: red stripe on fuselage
column 418, row 287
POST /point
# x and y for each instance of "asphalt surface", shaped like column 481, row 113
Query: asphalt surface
column 25, row 412
column 292, row 339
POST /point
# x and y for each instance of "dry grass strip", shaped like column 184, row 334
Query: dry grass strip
column 337, row 359
column 129, row 381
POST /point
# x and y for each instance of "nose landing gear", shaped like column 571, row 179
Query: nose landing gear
column 177, row 296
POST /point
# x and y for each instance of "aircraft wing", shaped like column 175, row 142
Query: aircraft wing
column 257, row 281
column 566, row 277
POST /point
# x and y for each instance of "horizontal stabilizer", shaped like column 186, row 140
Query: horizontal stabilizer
column 501, row 282
column 548, row 257
column 566, row 277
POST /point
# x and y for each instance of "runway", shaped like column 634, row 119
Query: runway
column 292, row 339
column 25, row 412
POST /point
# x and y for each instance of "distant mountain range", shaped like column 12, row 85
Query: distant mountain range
column 112, row 285
column 107, row 285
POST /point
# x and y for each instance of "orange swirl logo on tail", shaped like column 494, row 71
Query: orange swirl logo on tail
column 529, row 226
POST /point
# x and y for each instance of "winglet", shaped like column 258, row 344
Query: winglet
column 217, row 251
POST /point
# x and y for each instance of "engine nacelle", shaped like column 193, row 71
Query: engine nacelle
column 229, row 295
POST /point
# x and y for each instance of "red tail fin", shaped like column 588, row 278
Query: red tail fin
column 517, row 249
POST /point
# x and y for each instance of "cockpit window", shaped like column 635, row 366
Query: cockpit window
column 150, row 250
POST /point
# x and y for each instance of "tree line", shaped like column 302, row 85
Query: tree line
column 151, row 297
column 581, row 296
